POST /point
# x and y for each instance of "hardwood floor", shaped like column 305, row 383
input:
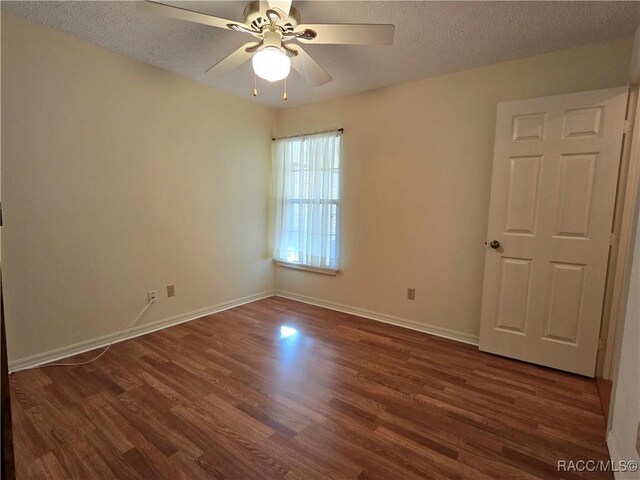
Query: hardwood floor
column 231, row 396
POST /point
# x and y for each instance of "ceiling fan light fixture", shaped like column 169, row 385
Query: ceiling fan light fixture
column 271, row 64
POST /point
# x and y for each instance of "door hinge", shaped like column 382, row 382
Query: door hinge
column 627, row 127
column 613, row 239
column 601, row 344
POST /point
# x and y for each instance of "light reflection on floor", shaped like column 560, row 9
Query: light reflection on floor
column 295, row 356
column 287, row 331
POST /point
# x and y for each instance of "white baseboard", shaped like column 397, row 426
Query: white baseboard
column 85, row 346
column 616, row 458
column 383, row 317
column 612, row 445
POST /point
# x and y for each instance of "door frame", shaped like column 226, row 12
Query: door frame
column 619, row 266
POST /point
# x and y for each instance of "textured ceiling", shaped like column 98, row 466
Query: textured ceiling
column 432, row 38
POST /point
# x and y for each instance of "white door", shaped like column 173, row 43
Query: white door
column 555, row 172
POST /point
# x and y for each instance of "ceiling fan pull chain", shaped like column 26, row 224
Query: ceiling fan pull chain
column 255, row 85
column 285, row 96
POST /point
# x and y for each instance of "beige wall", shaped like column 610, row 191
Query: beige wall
column 119, row 178
column 416, row 182
column 634, row 70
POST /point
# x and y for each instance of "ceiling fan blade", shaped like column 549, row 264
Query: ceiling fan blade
column 283, row 5
column 241, row 27
column 264, row 6
column 253, row 48
column 349, row 34
column 233, row 60
column 184, row 14
column 306, row 66
column 307, row 34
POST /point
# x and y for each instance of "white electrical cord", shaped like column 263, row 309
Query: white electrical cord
column 122, row 332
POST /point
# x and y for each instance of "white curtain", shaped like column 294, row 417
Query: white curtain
column 307, row 193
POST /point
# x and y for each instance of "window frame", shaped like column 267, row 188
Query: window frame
column 328, row 201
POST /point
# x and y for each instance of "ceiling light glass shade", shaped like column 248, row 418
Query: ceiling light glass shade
column 271, row 64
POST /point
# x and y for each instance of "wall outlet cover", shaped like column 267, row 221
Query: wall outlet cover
column 153, row 296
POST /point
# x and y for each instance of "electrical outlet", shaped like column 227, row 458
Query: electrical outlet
column 153, row 296
column 171, row 290
column 411, row 293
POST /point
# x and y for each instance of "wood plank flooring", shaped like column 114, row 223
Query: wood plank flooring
column 231, row 396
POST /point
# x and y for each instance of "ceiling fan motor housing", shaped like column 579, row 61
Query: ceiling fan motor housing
column 253, row 17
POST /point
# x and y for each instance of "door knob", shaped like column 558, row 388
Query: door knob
column 494, row 244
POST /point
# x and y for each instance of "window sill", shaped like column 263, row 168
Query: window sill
column 297, row 266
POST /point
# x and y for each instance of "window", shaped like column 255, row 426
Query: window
column 307, row 187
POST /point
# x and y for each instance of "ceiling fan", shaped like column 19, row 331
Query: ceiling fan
column 274, row 24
